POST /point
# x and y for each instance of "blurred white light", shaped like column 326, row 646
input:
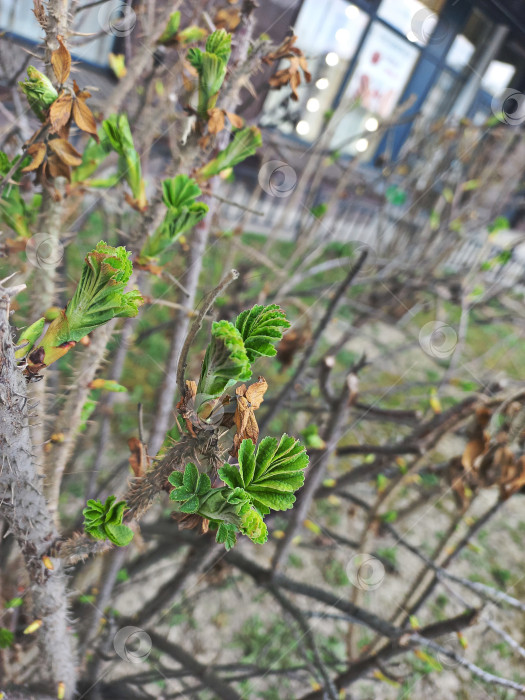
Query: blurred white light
column 322, row 84
column 312, row 105
column 352, row 11
column 302, row 128
column 332, row 58
column 342, row 36
column 361, row 145
column 371, row 124
column 412, row 37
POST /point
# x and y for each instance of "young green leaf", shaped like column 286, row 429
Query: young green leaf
column 226, row 534
column 30, row 335
column 244, row 144
column 98, row 298
column 104, row 521
column 183, row 214
column 254, row 527
column 225, row 361
column 272, row 475
column 211, row 67
column 39, row 91
column 171, row 28
column 190, row 488
column 6, row 638
column 261, row 327
column 118, row 133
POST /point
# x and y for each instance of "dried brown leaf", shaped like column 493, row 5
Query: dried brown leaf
column 227, row 18
column 60, row 112
column 37, row 151
column 56, row 167
column 65, row 152
column 138, row 458
column 84, row 118
column 61, row 62
column 235, row 120
column 248, row 400
column 216, row 120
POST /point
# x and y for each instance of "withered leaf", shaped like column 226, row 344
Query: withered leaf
column 37, row 151
column 216, row 120
column 248, row 400
column 235, row 120
column 60, row 112
column 81, row 94
column 61, row 62
column 56, row 167
column 84, row 118
column 138, row 460
column 65, row 151
column 227, row 18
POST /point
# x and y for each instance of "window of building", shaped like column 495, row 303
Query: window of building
column 384, row 65
column 416, row 20
column 329, row 35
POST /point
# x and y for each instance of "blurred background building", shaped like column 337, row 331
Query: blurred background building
column 439, row 58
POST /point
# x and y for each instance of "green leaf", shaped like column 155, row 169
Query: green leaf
column 31, row 334
column 231, row 476
column 13, row 603
column 6, row 638
column 171, row 28
column 99, row 297
column 273, row 499
column 191, row 505
column 39, row 91
column 211, row 67
column 254, row 527
column 175, row 478
column 190, row 478
column 244, row 144
column 225, row 361
column 261, row 327
column 203, row 485
column 226, row 534
column 247, row 461
column 121, row 535
column 276, row 472
column 104, row 521
column 183, row 213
